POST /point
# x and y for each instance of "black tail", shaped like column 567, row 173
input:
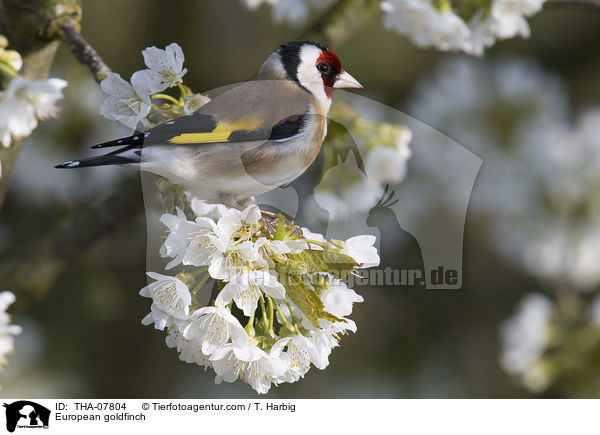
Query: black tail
column 130, row 153
column 129, row 140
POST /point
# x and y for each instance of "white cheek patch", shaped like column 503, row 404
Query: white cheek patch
column 309, row 76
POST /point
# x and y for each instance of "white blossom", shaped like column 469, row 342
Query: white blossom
column 181, row 232
column 217, row 248
column 205, row 242
column 326, row 337
column 276, row 345
column 212, row 328
column 168, row 294
column 338, row 299
column 165, row 67
column 246, row 288
column 161, row 319
column 203, row 209
column 308, row 234
column 361, row 249
column 127, row 103
column 300, row 353
column 250, row 364
column 189, row 351
column 24, row 103
column 278, row 247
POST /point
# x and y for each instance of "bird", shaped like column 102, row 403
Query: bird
column 248, row 140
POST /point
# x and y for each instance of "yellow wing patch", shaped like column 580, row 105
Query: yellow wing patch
column 220, row 134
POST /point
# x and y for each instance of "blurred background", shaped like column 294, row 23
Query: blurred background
column 524, row 323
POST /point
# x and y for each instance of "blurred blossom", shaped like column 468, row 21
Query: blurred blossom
column 555, row 250
column 7, row 330
column 538, row 185
column 469, row 28
column 524, row 338
column 426, row 25
column 46, row 145
column 386, row 165
column 346, row 190
column 24, row 103
column 194, row 102
column 27, row 375
column 254, row 4
column 558, row 235
column 502, row 107
column 12, row 58
column 293, row 12
column 537, row 169
column 290, row 11
column 536, row 197
column 501, row 110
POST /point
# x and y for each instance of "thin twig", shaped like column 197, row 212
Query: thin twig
column 84, row 52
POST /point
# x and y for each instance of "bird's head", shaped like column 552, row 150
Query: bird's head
column 312, row 66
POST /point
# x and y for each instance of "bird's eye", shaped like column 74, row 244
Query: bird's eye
column 323, row 68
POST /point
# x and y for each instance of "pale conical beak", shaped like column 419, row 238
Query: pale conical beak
column 345, row 80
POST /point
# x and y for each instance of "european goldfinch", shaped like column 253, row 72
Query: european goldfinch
column 248, row 140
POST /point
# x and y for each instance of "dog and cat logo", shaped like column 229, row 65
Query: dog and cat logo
column 25, row 414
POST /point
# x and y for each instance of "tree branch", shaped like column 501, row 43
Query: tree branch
column 32, row 28
column 84, row 52
column 35, row 31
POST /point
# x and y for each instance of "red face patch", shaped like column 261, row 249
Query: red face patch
column 329, row 57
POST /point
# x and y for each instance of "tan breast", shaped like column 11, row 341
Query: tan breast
column 277, row 163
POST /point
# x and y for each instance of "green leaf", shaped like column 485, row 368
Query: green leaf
column 308, row 301
column 286, row 230
column 314, row 261
column 281, row 228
